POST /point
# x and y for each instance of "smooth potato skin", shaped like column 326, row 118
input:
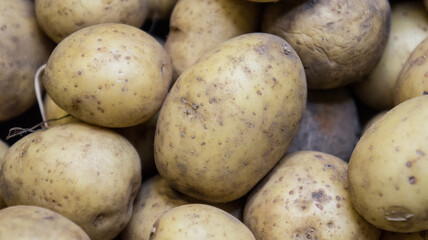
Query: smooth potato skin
column 199, row 221
column 230, row 117
column 87, row 174
column 31, row 222
column 409, row 27
column 387, row 170
column 23, row 49
column 111, row 75
column 412, row 80
column 305, row 197
column 58, row 19
column 198, row 26
column 338, row 41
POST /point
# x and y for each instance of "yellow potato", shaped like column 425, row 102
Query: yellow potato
column 155, row 198
column 199, row 221
column 31, row 222
column 112, row 75
column 56, row 115
column 23, row 49
column 387, row 170
column 58, row 19
column 198, row 26
column 306, row 197
column 339, row 41
column 413, row 78
column 409, row 27
column 230, row 117
column 88, row 174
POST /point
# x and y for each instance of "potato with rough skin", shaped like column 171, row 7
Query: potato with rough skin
column 155, row 198
column 330, row 124
column 306, row 197
column 230, row 117
column 339, row 41
column 404, row 236
column 31, row 222
column 88, row 174
column 111, row 75
column 198, row 26
column 23, row 49
column 199, row 221
column 387, row 170
column 58, row 19
column 412, row 80
column 409, row 27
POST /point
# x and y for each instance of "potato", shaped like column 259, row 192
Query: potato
column 199, row 221
column 230, row 117
column 339, row 41
column 330, row 124
column 112, row 75
column 23, row 48
column 31, row 222
column 404, row 236
column 160, row 9
column 88, row 174
column 409, row 27
column 306, row 197
column 58, row 19
column 54, row 114
column 387, row 170
column 411, row 81
column 155, row 198
column 198, row 26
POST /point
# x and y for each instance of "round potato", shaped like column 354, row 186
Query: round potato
column 112, row 75
column 330, row 124
column 58, row 19
column 339, row 41
column 161, row 9
column 88, row 174
column 306, row 197
column 31, row 222
column 409, row 27
column 199, row 221
column 197, row 26
column 412, row 80
column 404, row 236
column 230, row 117
column 155, row 198
column 23, row 48
column 387, row 170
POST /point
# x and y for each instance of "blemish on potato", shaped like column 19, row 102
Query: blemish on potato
column 412, row 180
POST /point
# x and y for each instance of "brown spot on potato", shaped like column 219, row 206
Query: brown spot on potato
column 408, row 164
column 99, row 219
column 412, row 180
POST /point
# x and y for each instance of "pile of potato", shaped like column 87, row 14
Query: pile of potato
column 214, row 119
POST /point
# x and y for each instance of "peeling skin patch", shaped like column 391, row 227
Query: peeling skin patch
column 398, row 214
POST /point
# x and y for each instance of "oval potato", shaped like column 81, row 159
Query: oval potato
column 306, row 197
column 230, row 117
column 387, row 170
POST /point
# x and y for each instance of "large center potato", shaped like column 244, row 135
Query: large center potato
column 230, row 117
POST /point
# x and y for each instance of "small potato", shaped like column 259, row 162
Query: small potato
column 339, row 41
column 330, row 124
column 409, row 27
column 412, row 80
column 198, row 26
column 230, row 117
column 88, row 174
column 387, row 170
column 306, row 197
column 23, row 49
column 199, row 221
column 31, row 222
column 155, row 198
column 111, row 75
column 58, row 19
column 404, row 236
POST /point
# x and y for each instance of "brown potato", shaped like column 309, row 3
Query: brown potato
column 23, row 49
column 339, row 41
